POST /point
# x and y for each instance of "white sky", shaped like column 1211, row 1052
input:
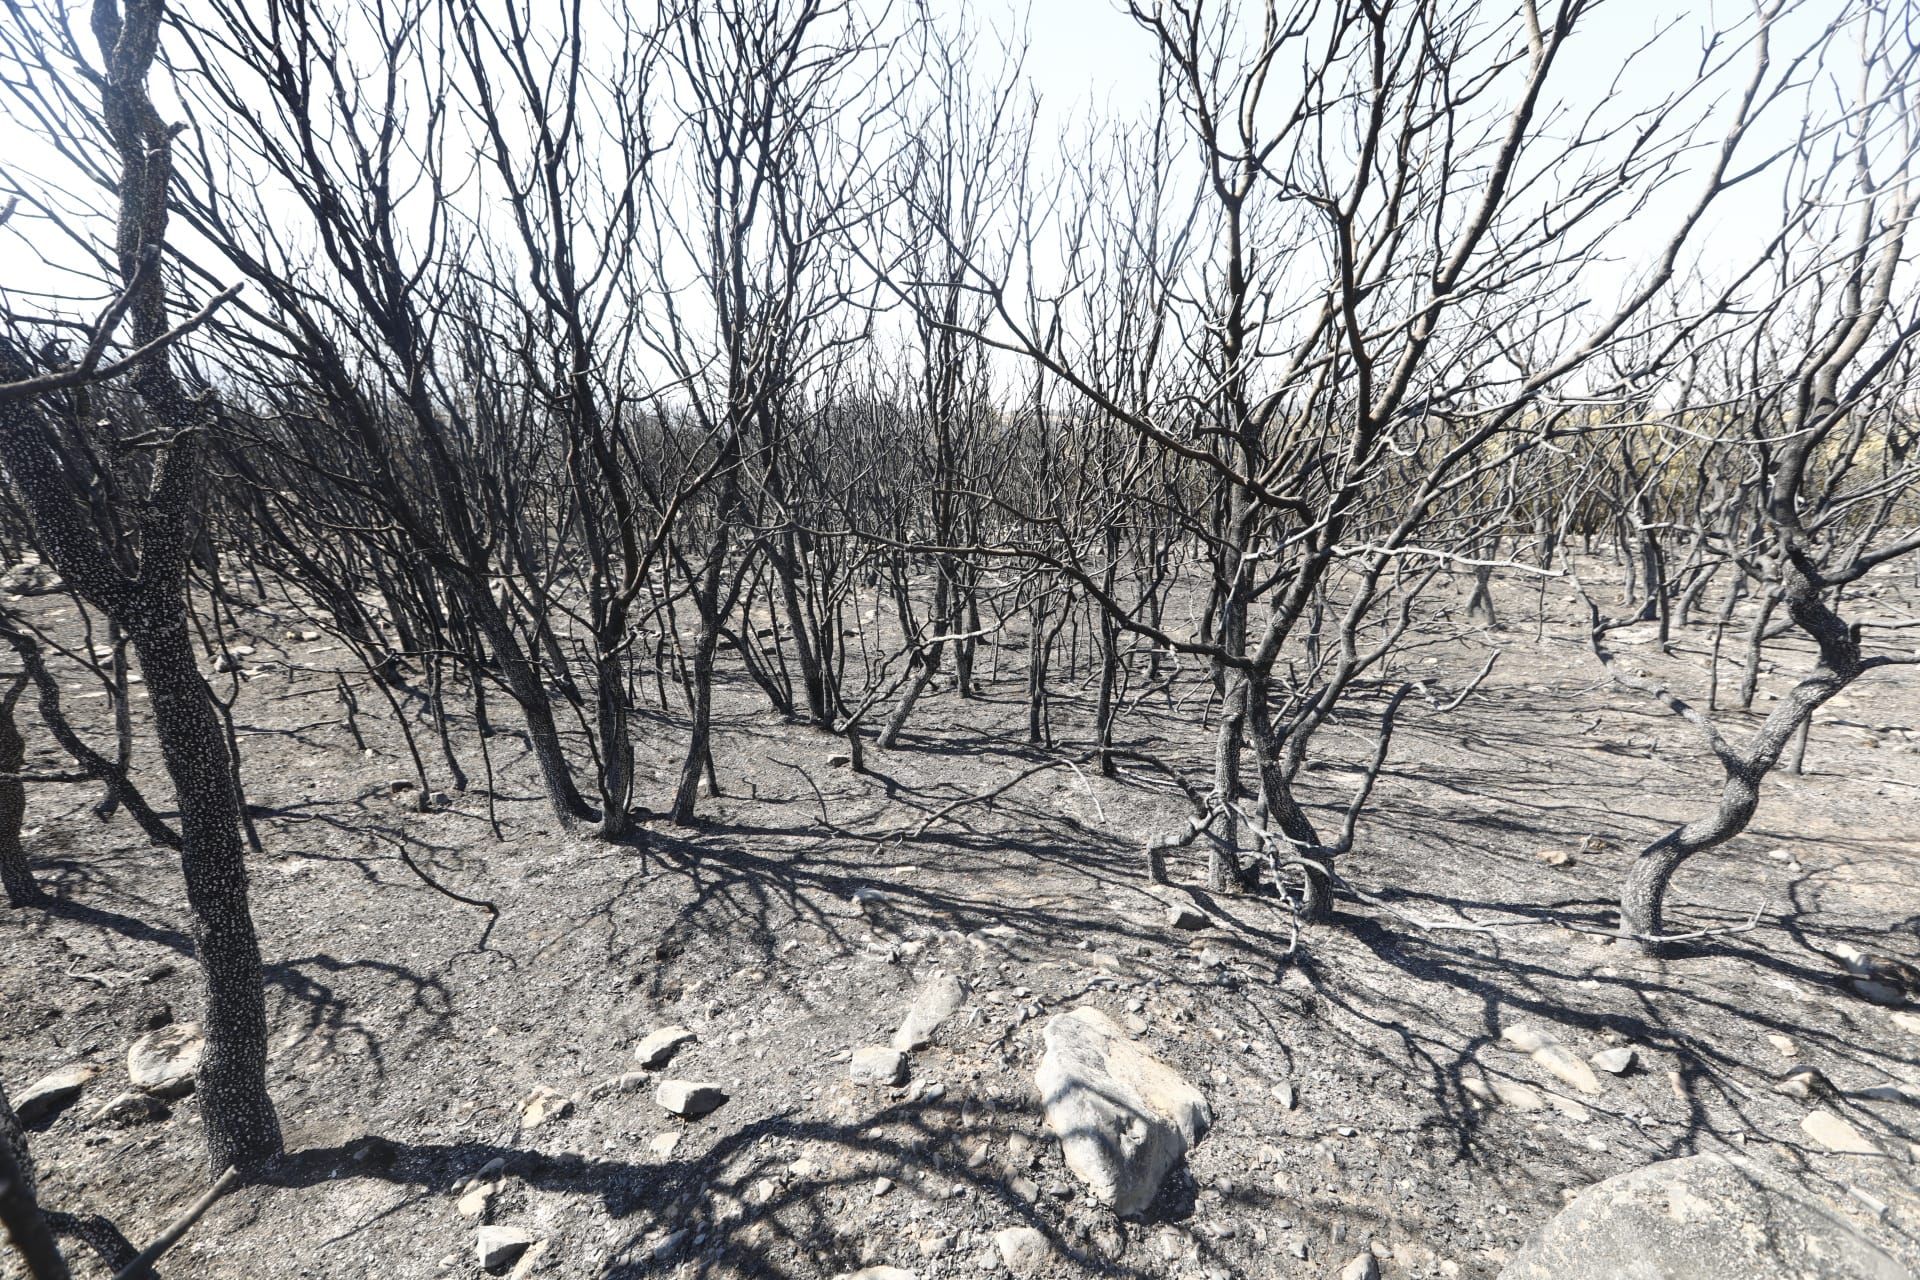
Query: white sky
column 1088, row 55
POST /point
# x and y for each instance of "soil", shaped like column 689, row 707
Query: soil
column 792, row 927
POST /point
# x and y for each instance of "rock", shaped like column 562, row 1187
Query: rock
column 1615, row 1062
column 1552, row 1055
column 1878, row 992
column 1706, row 1215
column 878, row 1273
column 625, row 1082
column 659, row 1046
column 164, row 1062
column 1511, row 1093
column 1804, row 1082
column 529, row 1260
column 1553, row 858
column 933, row 1003
column 1837, row 1135
column 130, row 1108
column 1181, row 915
column 1283, row 1094
column 53, row 1092
column 877, row 1064
column 662, row 1144
column 1784, row 1045
column 1364, row 1266
column 1123, row 1117
column 1909, row 1022
column 1022, row 1250
column 474, row 1201
column 690, row 1099
column 542, row 1105
column 497, row 1246
column 840, row 760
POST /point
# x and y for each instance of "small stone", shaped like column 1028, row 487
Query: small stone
column 662, row 1144
column 1553, row 858
column 881, row 1186
column 877, row 1273
column 130, row 1108
column 878, row 1064
column 1785, row 1044
column 1364, row 1266
column 1837, row 1135
column 1615, row 1062
column 1283, row 1094
column 495, row 1247
column 164, row 1062
column 839, row 760
column 935, row 1243
column 473, row 1203
column 1024, row 1187
column 1181, row 915
column 53, row 1092
column 1909, row 1022
column 1135, row 1024
column 1023, row 1250
column 658, row 1048
column 1803, row 1082
column 689, row 1098
column 542, row 1105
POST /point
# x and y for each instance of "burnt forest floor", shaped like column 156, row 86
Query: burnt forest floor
column 793, row 925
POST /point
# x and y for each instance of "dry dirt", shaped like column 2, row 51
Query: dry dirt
column 408, row 1029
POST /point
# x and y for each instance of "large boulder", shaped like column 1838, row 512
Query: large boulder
column 1697, row 1216
column 1123, row 1117
column 164, row 1062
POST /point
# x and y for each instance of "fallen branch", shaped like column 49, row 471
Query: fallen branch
column 142, row 1266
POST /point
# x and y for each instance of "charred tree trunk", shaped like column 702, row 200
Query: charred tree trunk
column 19, row 1213
column 242, row 1129
column 15, row 875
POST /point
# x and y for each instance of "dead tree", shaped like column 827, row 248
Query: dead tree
column 141, row 584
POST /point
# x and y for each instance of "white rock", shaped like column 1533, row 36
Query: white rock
column 1615, row 1062
column 53, row 1091
column 932, row 1005
column 1364, row 1266
column 659, row 1046
column 1837, row 1135
column 1550, row 1054
column 1701, row 1216
column 878, row 1064
column 878, row 1273
column 1023, row 1250
column 1124, row 1117
column 495, row 1247
column 164, row 1062
column 689, row 1098
column 542, row 1105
